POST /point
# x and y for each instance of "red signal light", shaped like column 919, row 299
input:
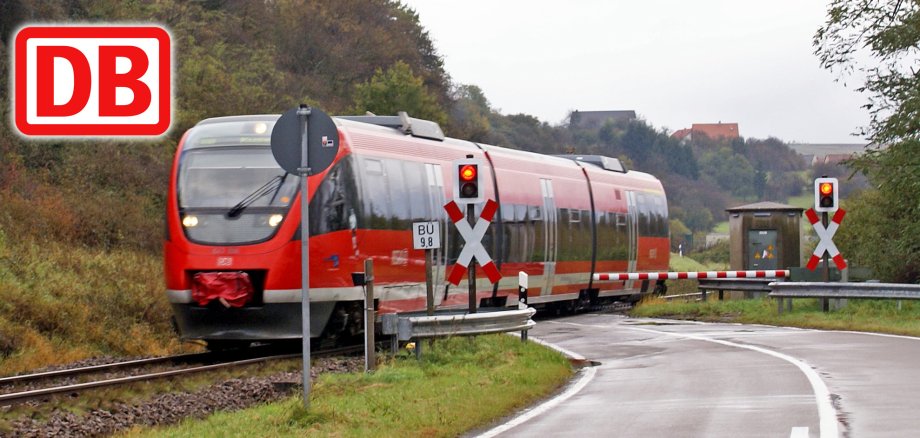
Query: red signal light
column 466, row 180
column 468, row 172
column 826, row 195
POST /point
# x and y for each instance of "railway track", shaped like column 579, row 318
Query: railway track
column 138, row 371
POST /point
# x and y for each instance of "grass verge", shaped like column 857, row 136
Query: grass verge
column 688, row 264
column 881, row 316
column 459, row 385
column 60, row 303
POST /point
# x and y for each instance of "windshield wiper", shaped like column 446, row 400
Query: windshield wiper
column 273, row 185
column 278, row 189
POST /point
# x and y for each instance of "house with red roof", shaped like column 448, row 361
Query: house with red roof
column 711, row 130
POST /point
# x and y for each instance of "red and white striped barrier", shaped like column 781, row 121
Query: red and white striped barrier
column 472, row 236
column 621, row 276
column 826, row 243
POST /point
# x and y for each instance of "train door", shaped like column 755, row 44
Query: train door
column 632, row 228
column 550, row 217
column 435, row 181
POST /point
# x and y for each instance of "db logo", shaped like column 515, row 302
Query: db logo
column 92, row 81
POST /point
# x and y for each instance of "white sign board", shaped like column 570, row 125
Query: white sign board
column 426, row 235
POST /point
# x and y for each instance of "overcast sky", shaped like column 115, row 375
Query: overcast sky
column 675, row 62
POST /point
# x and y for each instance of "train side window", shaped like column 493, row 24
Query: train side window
column 608, row 236
column 416, row 190
column 373, row 166
column 620, row 244
column 583, row 235
column 376, row 194
column 507, row 212
column 335, row 200
column 574, row 215
column 535, row 213
column 645, row 216
column 662, row 205
column 399, row 201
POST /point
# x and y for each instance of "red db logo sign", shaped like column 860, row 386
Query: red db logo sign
column 92, row 81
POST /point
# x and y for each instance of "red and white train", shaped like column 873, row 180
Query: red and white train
column 232, row 250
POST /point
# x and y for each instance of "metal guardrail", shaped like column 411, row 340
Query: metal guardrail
column 407, row 327
column 789, row 290
column 687, row 297
column 750, row 286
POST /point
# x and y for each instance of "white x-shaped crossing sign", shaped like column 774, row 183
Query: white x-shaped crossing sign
column 825, row 239
column 473, row 237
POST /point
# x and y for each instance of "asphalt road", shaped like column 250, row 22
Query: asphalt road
column 658, row 378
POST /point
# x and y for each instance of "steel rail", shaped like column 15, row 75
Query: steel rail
column 19, row 397
column 103, row 367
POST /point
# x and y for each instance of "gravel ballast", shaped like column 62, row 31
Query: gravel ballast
column 171, row 408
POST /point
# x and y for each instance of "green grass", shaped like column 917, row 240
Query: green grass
column 61, row 303
column 688, row 264
column 880, row 316
column 721, row 228
column 460, row 384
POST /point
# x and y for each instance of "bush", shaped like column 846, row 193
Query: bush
column 719, row 253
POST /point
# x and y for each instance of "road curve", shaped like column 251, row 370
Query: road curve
column 661, row 378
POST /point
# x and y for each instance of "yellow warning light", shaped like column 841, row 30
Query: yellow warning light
column 826, row 188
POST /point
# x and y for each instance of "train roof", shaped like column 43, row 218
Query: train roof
column 429, row 130
column 246, row 118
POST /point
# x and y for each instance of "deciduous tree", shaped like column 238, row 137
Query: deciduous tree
column 880, row 41
column 398, row 89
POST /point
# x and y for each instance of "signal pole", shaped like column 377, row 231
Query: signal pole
column 470, row 217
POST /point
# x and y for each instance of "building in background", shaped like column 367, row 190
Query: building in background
column 714, row 131
column 827, row 153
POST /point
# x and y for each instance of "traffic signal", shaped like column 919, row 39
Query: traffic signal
column 468, row 175
column 466, row 186
column 827, row 194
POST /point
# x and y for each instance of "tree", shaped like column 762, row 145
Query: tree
column 469, row 114
column 397, row 89
column 732, row 172
column 880, row 39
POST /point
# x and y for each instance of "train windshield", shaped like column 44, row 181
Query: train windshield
column 231, row 190
column 227, row 177
column 233, row 195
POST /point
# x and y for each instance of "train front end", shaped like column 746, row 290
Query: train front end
column 232, row 250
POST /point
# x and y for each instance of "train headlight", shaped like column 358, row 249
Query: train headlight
column 274, row 220
column 189, row 221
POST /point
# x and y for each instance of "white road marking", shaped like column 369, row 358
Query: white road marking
column 568, row 353
column 826, row 415
column 884, row 335
column 587, row 376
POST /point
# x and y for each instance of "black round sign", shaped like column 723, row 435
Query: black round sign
column 322, row 141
